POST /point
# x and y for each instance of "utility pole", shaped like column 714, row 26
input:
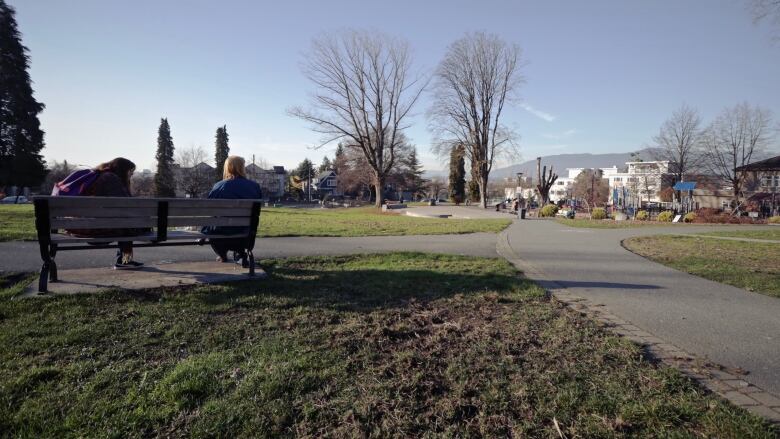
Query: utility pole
column 308, row 171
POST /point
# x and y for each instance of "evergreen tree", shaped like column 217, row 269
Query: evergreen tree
column 21, row 137
column 326, row 165
column 305, row 170
column 340, row 162
column 415, row 183
column 164, row 183
column 222, row 150
column 458, row 174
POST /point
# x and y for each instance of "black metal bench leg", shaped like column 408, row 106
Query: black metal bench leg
column 44, row 278
column 251, row 262
column 53, row 267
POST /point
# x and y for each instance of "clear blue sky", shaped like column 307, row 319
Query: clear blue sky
column 601, row 75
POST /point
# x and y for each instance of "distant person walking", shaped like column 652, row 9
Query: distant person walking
column 111, row 179
column 234, row 185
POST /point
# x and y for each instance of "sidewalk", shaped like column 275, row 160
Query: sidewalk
column 683, row 318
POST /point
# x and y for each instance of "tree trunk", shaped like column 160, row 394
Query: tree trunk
column 379, row 184
column 483, row 183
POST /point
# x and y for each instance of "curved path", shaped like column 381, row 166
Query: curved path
column 24, row 255
column 728, row 325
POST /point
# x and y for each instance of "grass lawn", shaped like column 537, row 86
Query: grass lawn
column 365, row 221
column 753, row 266
column 402, row 345
column 610, row 224
column 772, row 234
column 17, row 222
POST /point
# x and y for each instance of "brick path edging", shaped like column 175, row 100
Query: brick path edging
column 727, row 383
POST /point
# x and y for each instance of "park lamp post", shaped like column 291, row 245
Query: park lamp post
column 519, row 194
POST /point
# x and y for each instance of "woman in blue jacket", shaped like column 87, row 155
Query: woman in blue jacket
column 234, row 185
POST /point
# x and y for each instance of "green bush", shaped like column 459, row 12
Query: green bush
column 774, row 220
column 548, row 210
column 689, row 217
column 665, row 216
column 598, row 213
column 642, row 215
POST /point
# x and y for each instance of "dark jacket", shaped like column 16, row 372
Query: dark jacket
column 233, row 189
column 107, row 184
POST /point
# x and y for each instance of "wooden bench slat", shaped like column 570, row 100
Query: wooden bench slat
column 178, row 235
column 100, row 202
column 175, row 210
column 102, row 212
column 208, row 221
column 147, row 202
column 102, row 223
column 208, row 202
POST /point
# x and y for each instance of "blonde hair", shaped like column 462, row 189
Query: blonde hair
column 234, row 167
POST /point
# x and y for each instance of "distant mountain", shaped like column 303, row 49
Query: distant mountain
column 560, row 162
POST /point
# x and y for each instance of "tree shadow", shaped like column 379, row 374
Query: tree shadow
column 556, row 284
column 361, row 290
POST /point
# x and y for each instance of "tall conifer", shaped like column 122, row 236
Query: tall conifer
column 21, row 137
column 164, row 183
column 458, row 174
column 222, row 150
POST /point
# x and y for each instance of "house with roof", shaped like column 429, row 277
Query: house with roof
column 761, row 183
column 273, row 182
column 327, row 184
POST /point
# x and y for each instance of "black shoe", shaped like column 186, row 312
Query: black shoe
column 132, row 265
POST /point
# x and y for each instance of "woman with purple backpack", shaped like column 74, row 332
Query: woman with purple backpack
column 110, row 179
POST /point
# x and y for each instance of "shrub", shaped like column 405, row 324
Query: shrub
column 666, row 216
column 548, row 210
column 774, row 220
column 598, row 213
column 689, row 217
column 642, row 215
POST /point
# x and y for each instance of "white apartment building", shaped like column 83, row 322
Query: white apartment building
column 640, row 183
column 562, row 189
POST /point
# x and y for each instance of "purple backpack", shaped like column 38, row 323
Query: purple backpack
column 76, row 183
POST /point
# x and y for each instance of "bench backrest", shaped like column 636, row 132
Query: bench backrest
column 117, row 212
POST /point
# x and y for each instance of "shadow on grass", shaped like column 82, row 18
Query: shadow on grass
column 352, row 283
column 360, row 289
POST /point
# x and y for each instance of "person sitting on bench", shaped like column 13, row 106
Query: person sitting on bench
column 114, row 181
column 234, row 185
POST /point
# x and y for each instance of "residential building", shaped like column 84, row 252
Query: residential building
column 640, row 183
column 326, row 183
column 761, row 185
column 273, row 182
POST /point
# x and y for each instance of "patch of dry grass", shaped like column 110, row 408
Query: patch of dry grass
column 753, row 266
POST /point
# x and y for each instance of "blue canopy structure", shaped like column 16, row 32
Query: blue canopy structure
column 685, row 186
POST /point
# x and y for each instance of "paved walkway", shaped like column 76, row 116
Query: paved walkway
column 728, row 325
column 25, row 256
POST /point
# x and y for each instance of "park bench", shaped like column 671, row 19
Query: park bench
column 54, row 215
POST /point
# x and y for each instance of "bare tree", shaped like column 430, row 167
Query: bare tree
column 143, row 185
column 193, row 175
column 435, row 186
column 365, row 92
column 679, row 141
column 737, row 136
column 591, row 185
column 476, row 79
column 766, row 10
column 545, row 181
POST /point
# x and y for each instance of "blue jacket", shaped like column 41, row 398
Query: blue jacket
column 237, row 188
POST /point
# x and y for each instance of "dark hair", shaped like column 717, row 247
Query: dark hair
column 120, row 166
